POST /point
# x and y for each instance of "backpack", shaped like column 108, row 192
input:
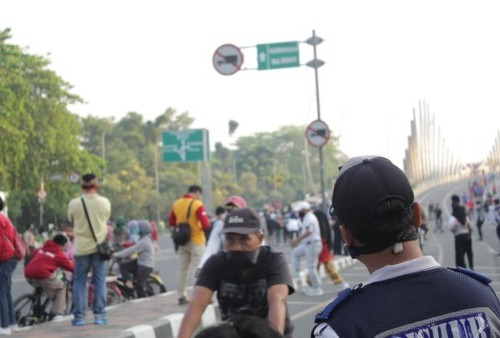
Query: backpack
column 19, row 246
column 6, row 248
column 181, row 234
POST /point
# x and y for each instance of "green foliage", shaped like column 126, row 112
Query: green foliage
column 44, row 142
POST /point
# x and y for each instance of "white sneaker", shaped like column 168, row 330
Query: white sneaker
column 317, row 291
column 305, row 289
column 343, row 286
column 5, row 331
column 58, row 318
column 15, row 328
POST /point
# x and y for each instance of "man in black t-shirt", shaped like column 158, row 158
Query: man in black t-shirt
column 249, row 279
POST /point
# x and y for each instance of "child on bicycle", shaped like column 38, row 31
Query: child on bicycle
column 140, row 268
column 42, row 271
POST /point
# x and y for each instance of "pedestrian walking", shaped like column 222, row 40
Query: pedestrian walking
column 439, row 218
column 96, row 209
column 155, row 234
column 326, row 257
column 8, row 263
column 292, row 226
column 30, row 241
column 407, row 294
column 496, row 217
column 120, row 233
column 480, row 216
column 249, row 278
column 308, row 246
column 459, row 225
column 189, row 209
column 215, row 241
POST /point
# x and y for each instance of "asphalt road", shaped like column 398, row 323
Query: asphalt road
column 302, row 308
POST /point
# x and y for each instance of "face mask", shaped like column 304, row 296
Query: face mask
column 242, row 259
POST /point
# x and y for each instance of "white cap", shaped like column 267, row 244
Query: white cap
column 304, row 205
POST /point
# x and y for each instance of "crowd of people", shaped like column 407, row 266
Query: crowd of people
column 74, row 250
column 237, row 256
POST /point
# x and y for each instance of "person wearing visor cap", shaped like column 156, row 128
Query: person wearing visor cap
column 235, row 201
column 307, row 245
column 248, row 278
column 407, row 294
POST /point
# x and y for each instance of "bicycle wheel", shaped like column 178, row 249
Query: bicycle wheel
column 30, row 310
column 154, row 287
column 113, row 294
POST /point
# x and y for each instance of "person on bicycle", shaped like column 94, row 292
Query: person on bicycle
column 42, row 270
column 135, row 272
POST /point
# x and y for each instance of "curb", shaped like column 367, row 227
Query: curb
column 168, row 326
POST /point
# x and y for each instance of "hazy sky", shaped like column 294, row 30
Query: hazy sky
column 382, row 57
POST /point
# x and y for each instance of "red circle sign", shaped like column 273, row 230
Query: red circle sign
column 317, row 133
column 227, row 59
column 42, row 194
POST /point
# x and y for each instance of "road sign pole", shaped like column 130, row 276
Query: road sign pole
column 315, row 63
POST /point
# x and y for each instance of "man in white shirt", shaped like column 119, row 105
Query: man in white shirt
column 307, row 245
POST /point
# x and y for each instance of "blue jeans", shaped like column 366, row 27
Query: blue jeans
column 7, row 313
column 80, row 296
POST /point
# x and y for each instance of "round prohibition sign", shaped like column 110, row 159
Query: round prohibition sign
column 227, row 59
column 317, row 133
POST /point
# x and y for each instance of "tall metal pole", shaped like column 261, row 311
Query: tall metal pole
column 315, row 63
column 157, row 183
column 103, row 149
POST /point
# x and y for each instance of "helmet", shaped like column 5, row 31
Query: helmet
column 144, row 227
column 237, row 201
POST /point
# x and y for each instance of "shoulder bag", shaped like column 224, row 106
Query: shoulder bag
column 103, row 248
column 18, row 246
column 181, row 234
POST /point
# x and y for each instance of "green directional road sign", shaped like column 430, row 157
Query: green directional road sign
column 185, row 145
column 278, row 55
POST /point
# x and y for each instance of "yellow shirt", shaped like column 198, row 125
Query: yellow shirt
column 99, row 209
column 180, row 208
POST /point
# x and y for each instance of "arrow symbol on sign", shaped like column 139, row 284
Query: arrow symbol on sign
column 262, row 57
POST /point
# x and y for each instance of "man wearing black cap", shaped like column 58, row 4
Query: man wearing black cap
column 407, row 294
column 249, row 278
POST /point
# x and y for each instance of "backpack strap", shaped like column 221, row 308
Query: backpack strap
column 189, row 210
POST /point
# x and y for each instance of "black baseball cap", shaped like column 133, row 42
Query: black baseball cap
column 241, row 221
column 363, row 184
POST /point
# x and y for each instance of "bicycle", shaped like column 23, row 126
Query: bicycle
column 33, row 308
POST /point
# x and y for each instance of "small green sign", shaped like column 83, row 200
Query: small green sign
column 278, row 55
column 189, row 145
